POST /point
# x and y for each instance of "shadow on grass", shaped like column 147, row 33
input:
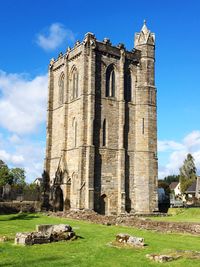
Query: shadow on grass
column 21, row 216
column 32, row 262
column 79, row 237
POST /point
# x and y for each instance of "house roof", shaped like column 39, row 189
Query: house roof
column 192, row 187
column 173, row 185
column 38, row 179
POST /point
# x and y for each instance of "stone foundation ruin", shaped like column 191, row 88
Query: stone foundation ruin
column 46, row 233
column 130, row 240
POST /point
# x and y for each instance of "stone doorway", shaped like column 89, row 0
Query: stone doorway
column 58, row 202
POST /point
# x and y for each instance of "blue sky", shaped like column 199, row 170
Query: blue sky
column 32, row 32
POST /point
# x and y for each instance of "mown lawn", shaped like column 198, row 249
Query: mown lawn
column 181, row 215
column 90, row 250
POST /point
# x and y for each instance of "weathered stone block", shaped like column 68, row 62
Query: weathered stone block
column 32, row 238
column 53, row 228
column 162, row 258
column 130, row 240
column 46, row 234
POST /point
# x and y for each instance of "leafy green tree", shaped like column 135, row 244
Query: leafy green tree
column 2, row 163
column 18, row 176
column 172, row 178
column 5, row 175
column 14, row 176
column 187, row 173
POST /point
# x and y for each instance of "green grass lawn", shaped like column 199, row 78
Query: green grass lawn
column 181, row 215
column 90, row 250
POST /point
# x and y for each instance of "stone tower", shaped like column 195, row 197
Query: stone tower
column 101, row 151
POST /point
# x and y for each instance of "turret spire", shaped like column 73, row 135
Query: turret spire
column 144, row 36
column 144, row 28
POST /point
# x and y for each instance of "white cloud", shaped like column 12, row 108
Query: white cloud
column 25, row 153
column 55, row 36
column 169, row 145
column 197, row 159
column 192, row 140
column 34, row 153
column 23, row 102
column 9, row 158
column 179, row 151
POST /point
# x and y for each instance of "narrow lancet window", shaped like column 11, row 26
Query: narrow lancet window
column 75, row 84
column 128, row 87
column 61, row 89
column 110, row 81
column 104, row 133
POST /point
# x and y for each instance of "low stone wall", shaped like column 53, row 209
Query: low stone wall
column 17, row 206
column 128, row 220
column 168, row 227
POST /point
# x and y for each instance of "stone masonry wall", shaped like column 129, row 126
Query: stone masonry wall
column 120, row 175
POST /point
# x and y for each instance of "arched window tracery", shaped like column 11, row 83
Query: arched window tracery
column 110, row 81
column 74, row 82
column 104, row 133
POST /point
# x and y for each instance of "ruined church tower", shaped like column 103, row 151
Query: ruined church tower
column 101, row 151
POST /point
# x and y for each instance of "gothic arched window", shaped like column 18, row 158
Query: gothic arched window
column 74, row 83
column 128, row 87
column 61, row 89
column 104, row 133
column 110, row 81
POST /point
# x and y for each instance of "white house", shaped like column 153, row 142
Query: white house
column 38, row 181
column 175, row 187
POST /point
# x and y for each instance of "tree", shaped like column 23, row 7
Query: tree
column 2, row 163
column 187, row 173
column 5, row 175
column 172, row 178
column 18, row 176
column 14, row 176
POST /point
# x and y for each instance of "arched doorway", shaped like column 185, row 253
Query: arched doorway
column 58, row 201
